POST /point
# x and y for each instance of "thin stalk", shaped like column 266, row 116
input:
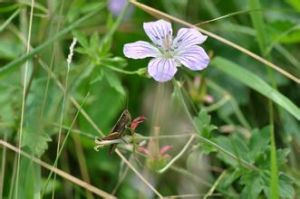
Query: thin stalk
column 190, row 196
column 126, row 72
column 157, row 13
column 190, row 175
column 24, row 97
column 60, row 128
column 72, row 99
column 3, row 26
column 178, row 155
column 82, row 163
column 120, row 180
column 13, row 177
column 2, row 174
column 115, row 26
column 212, row 189
column 227, row 16
column 238, row 113
column 259, row 25
column 138, row 173
column 62, row 146
column 51, row 63
column 207, row 141
column 59, row 172
column 218, row 104
column 10, row 66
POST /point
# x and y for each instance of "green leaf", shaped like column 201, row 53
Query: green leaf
column 108, row 102
column 253, row 81
column 35, row 137
column 253, row 185
column 286, row 189
column 258, row 23
column 229, row 179
column 203, row 123
column 259, row 142
column 294, row 3
column 114, row 81
column 235, row 145
column 30, row 180
column 17, row 62
column 81, row 38
column 37, row 142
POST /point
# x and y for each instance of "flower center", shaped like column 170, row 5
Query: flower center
column 167, row 49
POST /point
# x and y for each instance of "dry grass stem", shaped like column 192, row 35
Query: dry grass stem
column 138, row 173
column 159, row 14
column 59, row 172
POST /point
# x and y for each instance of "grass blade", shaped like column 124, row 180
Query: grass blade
column 160, row 14
column 10, row 66
column 253, row 81
column 258, row 23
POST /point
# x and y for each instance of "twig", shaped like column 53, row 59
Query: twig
column 156, row 13
column 178, row 155
column 189, row 196
column 73, row 100
column 212, row 189
column 59, row 172
column 137, row 173
column 63, row 144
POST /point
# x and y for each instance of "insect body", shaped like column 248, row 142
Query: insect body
column 118, row 130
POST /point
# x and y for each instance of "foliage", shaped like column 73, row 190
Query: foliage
column 233, row 128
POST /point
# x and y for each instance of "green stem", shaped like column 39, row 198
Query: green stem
column 207, row 141
column 137, row 72
column 61, row 148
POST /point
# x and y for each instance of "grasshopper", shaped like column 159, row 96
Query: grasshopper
column 124, row 123
column 118, row 131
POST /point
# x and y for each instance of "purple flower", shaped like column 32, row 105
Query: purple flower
column 169, row 53
column 116, row 6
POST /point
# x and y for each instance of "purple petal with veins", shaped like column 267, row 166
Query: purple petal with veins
column 140, row 50
column 162, row 69
column 193, row 57
column 158, row 31
column 188, row 37
column 169, row 53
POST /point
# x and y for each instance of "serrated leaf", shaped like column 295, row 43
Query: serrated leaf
column 37, row 142
column 235, row 145
column 203, row 124
column 108, row 103
column 253, row 185
column 259, row 142
column 229, row 179
column 81, row 38
column 94, row 41
column 286, row 189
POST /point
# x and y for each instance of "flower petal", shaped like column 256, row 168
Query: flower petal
column 140, row 50
column 164, row 149
column 162, row 69
column 143, row 150
column 193, row 57
column 188, row 37
column 116, row 6
column 158, row 31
